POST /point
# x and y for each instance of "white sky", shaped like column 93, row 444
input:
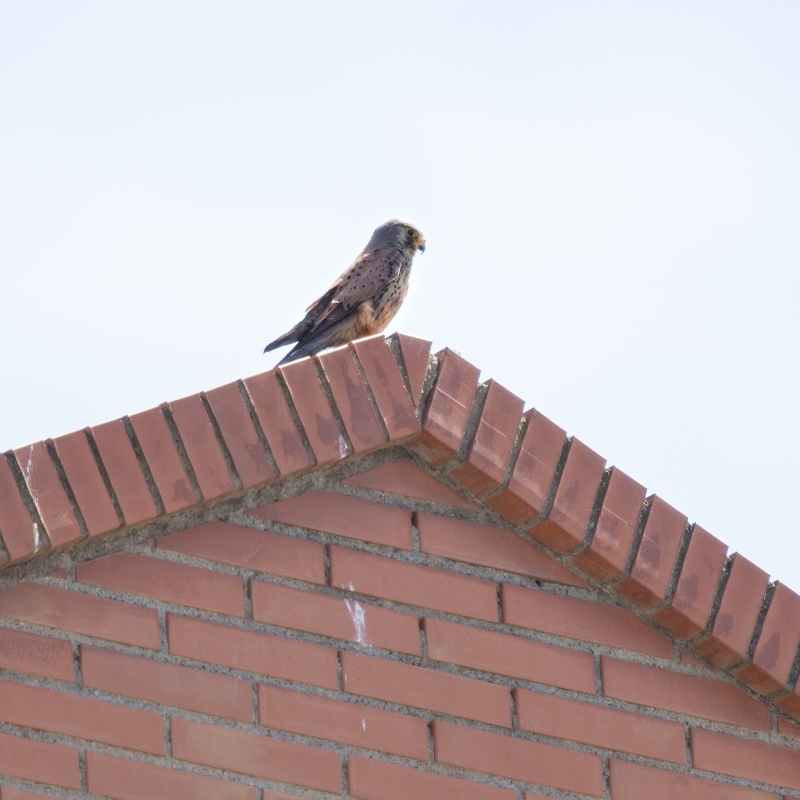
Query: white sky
column 609, row 192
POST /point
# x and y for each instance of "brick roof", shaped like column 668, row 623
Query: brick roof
column 67, row 500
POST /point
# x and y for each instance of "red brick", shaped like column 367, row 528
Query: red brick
column 48, row 494
column 581, row 619
column 386, row 384
column 37, row 655
column 202, row 448
column 81, row 613
column 338, row 721
column 340, row 618
column 82, row 717
column 746, row 758
column 777, row 644
column 693, row 695
column 413, row 584
column 651, row 574
column 607, row 554
column 415, row 353
column 575, row 497
column 527, row 490
column 135, row 780
column 252, row 651
column 240, row 546
column 236, row 427
column 39, row 761
column 268, row 794
column 277, row 423
column 61, row 574
column 575, row 721
column 488, row 546
column 426, row 688
column 490, row 449
column 16, row 526
column 86, row 483
column 164, row 580
column 124, row 472
column 352, row 400
column 735, row 622
column 688, row 658
column 251, row 754
column 167, row 684
column 510, row 655
column 633, row 782
column 447, row 408
column 790, row 703
column 10, row 793
column 403, row 478
column 787, row 728
column 165, row 465
column 343, row 516
column 690, row 609
column 518, row 759
column 321, row 427
column 377, row 780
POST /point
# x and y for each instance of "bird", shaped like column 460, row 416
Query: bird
column 363, row 299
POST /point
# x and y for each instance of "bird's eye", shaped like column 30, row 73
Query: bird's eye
column 410, row 232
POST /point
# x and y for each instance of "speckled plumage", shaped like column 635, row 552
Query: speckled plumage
column 363, row 299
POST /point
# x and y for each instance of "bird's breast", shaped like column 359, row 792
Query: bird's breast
column 387, row 303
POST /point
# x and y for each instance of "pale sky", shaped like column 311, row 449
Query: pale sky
column 609, row 192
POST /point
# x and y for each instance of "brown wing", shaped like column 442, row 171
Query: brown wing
column 362, row 281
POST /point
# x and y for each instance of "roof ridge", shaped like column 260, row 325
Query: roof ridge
column 374, row 393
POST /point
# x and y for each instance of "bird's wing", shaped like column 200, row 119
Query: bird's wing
column 361, row 282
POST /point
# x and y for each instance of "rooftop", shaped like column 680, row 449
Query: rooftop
column 64, row 501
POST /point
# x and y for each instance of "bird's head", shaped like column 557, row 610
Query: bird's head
column 397, row 234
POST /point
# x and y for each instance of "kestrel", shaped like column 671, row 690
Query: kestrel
column 363, row 299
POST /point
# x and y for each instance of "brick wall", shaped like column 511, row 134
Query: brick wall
column 367, row 639
column 370, row 576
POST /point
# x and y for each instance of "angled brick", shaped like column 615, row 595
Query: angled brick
column 351, row 398
column 649, row 579
column 386, row 384
column 51, row 501
column 448, row 406
column 490, row 449
column 689, row 611
column 607, row 554
column 416, row 354
column 124, row 472
column 16, row 525
column 776, row 648
column 86, row 482
column 524, row 497
column 575, row 497
column 735, row 622
column 202, row 448
column 241, row 439
column 319, row 422
column 277, row 423
column 162, row 457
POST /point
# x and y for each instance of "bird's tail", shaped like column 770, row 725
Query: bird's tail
column 319, row 341
column 281, row 340
column 297, row 333
column 290, row 336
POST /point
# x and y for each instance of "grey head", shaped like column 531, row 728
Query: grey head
column 397, row 234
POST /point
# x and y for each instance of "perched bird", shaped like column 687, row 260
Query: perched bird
column 363, row 299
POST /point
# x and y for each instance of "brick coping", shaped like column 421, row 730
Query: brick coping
column 91, row 492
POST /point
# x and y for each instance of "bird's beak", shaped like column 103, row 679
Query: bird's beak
column 421, row 246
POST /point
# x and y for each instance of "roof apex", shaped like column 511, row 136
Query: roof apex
column 62, row 494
